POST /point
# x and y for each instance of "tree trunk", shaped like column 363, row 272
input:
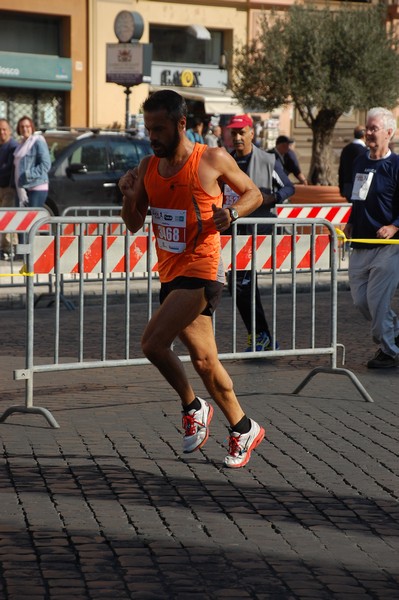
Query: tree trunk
column 322, row 171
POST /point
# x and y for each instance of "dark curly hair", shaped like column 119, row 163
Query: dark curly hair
column 171, row 101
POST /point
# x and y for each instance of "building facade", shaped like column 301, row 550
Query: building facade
column 192, row 46
column 43, row 61
column 53, row 63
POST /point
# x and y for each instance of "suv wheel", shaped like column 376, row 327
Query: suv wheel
column 51, row 207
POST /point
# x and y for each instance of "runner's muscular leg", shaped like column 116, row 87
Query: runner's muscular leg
column 199, row 339
column 178, row 310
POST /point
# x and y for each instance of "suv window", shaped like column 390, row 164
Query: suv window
column 57, row 143
column 126, row 155
column 143, row 150
column 92, row 154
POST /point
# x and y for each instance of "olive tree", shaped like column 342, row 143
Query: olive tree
column 325, row 62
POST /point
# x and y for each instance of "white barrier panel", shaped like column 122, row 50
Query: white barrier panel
column 335, row 213
column 94, row 250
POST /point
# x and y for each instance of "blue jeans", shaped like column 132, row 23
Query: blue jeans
column 37, row 198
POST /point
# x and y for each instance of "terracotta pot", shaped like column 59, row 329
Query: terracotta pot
column 317, row 194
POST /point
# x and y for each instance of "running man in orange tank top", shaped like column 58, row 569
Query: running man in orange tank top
column 180, row 186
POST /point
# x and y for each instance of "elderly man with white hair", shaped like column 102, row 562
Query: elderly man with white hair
column 374, row 264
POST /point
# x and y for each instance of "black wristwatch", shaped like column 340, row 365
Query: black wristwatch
column 233, row 213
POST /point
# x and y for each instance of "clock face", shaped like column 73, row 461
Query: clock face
column 124, row 26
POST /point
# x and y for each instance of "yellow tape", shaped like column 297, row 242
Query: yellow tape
column 23, row 271
column 341, row 235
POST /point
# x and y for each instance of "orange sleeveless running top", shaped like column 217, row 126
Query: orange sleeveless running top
column 187, row 241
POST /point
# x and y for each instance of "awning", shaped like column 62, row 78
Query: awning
column 199, row 32
column 35, row 71
column 216, row 102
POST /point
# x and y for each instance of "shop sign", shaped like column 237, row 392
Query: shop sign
column 9, row 71
column 188, row 75
column 35, row 71
column 185, row 78
column 129, row 64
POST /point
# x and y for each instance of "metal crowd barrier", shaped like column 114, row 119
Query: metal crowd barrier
column 19, row 220
column 92, row 211
column 336, row 213
column 106, row 252
column 92, row 229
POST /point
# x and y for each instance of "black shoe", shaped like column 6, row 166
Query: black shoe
column 382, row 361
column 7, row 255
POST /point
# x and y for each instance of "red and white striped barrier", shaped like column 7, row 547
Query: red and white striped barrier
column 20, row 220
column 283, row 258
column 93, row 255
column 335, row 213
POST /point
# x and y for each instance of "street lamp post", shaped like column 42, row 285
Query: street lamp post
column 128, row 62
column 128, row 91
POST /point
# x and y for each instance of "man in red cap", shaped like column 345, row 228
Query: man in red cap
column 266, row 172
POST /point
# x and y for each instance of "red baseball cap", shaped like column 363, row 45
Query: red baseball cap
column 239, row 121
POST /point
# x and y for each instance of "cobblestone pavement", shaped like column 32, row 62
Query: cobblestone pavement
column 107, row 507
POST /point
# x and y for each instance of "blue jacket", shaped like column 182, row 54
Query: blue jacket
column 35, row 165
column 289, row 161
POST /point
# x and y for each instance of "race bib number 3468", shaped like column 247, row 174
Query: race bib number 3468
column 170, row 229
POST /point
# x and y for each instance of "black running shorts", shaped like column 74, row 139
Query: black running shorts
column 213, row 290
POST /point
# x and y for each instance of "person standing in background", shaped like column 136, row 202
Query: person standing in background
column 348, row 156
column 32, row 163
column 374, row 267
column 287, row 157
column 268, row 174
column 7, row 190
column 195, row 133
column 213, row 138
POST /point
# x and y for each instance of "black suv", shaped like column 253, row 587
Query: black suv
column 86, row 166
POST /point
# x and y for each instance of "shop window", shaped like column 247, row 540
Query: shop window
column 45, row 108
column 176, row 45
column 36, row 34
column 48, row 110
